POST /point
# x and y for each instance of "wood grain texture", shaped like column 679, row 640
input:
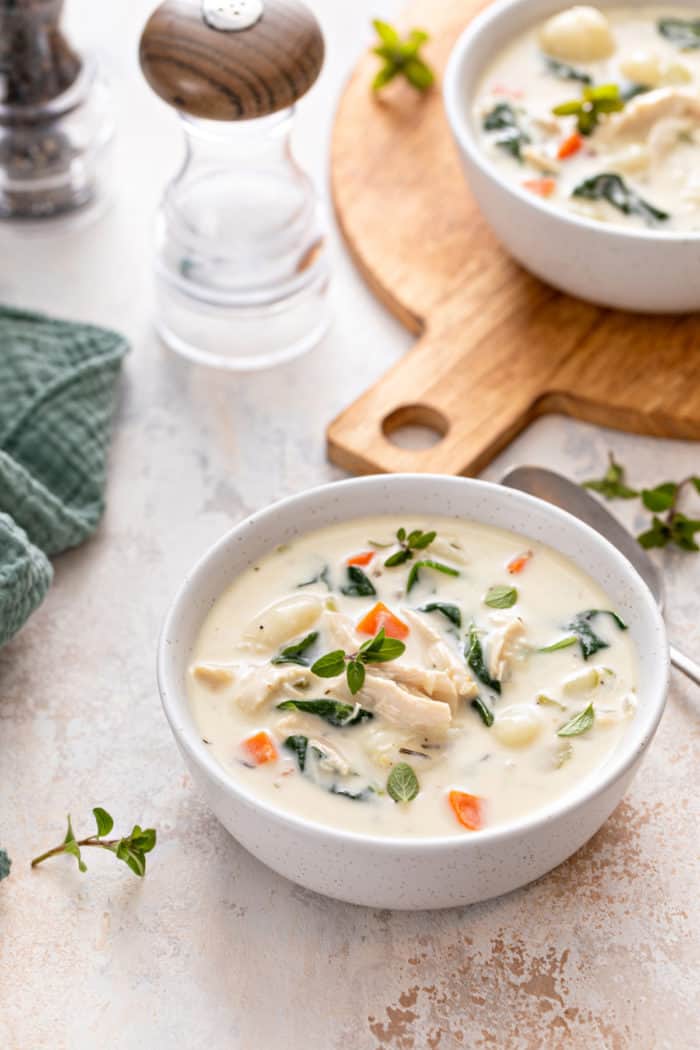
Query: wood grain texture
column 498, row 348
column 231, row 76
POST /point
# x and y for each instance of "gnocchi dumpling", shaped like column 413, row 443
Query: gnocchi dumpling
column 517, row 726
column 579, row 34
column 282, row 621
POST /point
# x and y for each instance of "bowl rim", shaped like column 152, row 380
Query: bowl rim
column 173, row 694
column 459, row 119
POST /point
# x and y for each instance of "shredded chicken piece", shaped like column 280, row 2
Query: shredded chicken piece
column 539, row 159
column 442, row 656
column 340, row 632
column 404, row 708
column 331, row 760
column 503, row 645
column 640, row 115
column 213, row 676
column 256, row 685
column 438, row 685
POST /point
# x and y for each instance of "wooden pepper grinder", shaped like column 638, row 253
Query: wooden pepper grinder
column 241, row 268
column 56, row 121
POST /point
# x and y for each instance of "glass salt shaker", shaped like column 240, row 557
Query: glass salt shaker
column 56, row 120
column 241, row 259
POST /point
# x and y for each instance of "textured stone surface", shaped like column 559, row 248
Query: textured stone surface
column 211, row 949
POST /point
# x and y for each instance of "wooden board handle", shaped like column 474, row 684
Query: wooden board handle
column 471, row 431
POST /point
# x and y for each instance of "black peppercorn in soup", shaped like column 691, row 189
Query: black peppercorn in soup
column 598, row 113
column 412, row 677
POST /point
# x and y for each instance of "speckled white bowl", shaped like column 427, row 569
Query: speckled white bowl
column 648, row 271
column 402, row 872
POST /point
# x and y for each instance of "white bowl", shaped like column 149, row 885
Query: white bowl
column 404, row 872
column 648, row 271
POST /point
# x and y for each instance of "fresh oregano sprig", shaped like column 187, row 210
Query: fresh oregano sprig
column 401, row 57
column 673, row 528
column 594, row 101
column 377, row 650
column 409, row 543
column 131, row 848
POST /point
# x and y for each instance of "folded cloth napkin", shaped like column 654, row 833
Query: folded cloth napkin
column 58, row 383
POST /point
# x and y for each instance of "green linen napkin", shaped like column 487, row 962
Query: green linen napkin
column 58, row 383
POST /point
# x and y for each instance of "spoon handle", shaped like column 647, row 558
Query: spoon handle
column 686, row 665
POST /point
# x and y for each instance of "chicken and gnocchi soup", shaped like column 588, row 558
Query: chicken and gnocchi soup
column 599, row 113
column 412, row 677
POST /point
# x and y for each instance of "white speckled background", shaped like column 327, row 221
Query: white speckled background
column 211, row 949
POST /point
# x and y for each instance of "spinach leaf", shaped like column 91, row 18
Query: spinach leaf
column 293, row 654
column 581, row 625
column 402, row 784
column 563, row 71
column 332, row 711
column 682, row 33
column 563, row 644
column 613, row 188
column 501, row 597
column 511, row 137
column 426, row 563
column 580, row 723
column 451, row 612
column 359, row 586
column 485, row 712
column 299, row 745
column 358, row 796
column 324, row 576
column 475, row 658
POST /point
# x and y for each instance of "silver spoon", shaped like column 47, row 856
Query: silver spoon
column 556, row 489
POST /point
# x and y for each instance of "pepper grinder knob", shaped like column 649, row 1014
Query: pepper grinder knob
column 241, row 267
column 231, row 59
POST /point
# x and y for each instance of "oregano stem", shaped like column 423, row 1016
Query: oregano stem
column 91, row 841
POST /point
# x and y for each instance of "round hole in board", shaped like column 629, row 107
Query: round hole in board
column 416, row 427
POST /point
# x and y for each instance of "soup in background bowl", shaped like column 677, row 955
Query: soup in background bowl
column 502, row 783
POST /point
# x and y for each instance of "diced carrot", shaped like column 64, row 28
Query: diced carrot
column 467, row 809
column 260, row 748
column 508, row 92
column 379, row 617
column 361, row 559
column 570, row 146
column 517, row 564
column 542, row 187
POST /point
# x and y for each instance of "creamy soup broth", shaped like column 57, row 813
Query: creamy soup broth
column 644, row 130
column 425, row 703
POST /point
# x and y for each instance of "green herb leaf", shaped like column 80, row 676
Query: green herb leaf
column 660, row 498
column 589, row 641
column 546, row 701
column 612, row 485
column 103, row 820
column 71, row 846
column 298, row 744
column 426, row 563
column 511, row 136
column 475, row 658
column 563, row 71
column 381, row 649
column 580, row 723
column 571, row 639
column 605, row 98
column 414, row 541
column 501, row 597
column 401, row 57
column 330, row 665
column 485, row 712
column 360, row 586
column 398, row 558
column 293, row 654
column 450, row 612
column 334, row 712
column 402, row 784
column 612, row 187
column 681, row 32
column 355, row 676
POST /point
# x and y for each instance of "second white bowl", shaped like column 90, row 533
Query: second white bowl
column 647, row 271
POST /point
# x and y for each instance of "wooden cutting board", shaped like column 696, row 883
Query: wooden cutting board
column 497, row 348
